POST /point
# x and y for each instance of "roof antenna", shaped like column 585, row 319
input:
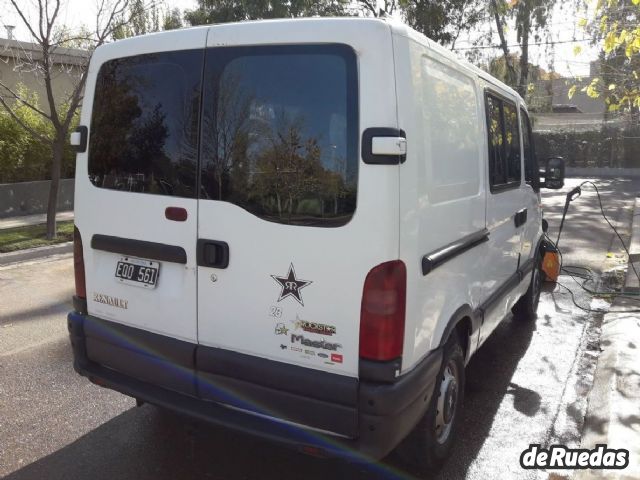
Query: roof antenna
column 9, row 29
column 383, row 14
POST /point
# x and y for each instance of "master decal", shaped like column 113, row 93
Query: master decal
column 307, row 342
column 290, row 286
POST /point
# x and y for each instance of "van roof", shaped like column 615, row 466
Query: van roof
column 406, row 31
column 341, row 22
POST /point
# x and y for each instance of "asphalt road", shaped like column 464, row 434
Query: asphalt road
column 528, row 384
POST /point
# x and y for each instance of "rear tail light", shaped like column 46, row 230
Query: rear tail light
column 78, row 264
column 383, row 312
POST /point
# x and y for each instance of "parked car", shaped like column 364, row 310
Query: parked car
column 328, row 218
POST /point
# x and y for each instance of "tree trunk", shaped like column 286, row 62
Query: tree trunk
column 524, row 58
column 511, row 71
column 56, row 163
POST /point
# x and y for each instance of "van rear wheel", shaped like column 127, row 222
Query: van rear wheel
column 527, row 307
column 429, row 445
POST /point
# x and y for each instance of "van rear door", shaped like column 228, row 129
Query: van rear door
column 290, row 219
column 142, row 160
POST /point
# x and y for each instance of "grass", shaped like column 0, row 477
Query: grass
column 19, row 238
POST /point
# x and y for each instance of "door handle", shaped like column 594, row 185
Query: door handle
column 520, row 218
column 212, row 253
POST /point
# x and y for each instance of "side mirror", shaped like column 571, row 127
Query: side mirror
column 554, row 173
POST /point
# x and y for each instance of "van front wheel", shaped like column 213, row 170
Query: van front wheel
column 429, row 445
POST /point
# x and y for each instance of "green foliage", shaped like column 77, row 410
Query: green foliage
column 13, row 239
column 24, row 157
column 443, row 21
column 536, row 92
column 139, row 19
column 172, row 20
column 221, row 11
column 531, row 22
column 616, row 25
column 616, row 147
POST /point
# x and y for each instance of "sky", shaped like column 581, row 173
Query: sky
column 73, row 13
column 564, row 29
column 567, row 35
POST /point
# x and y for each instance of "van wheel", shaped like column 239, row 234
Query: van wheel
column 429, row 445
column 527, row 307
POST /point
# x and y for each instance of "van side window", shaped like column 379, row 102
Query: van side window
column 280, row 132
column 530, row 164
column 512, row 132
column 497, row 171
column 144, row 125
column 504, row 144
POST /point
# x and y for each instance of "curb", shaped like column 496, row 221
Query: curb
column 612, row 412
column 631, row 283
column 34, row 253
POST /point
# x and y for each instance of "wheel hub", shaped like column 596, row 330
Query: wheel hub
column 450, row 400
column 447, row 402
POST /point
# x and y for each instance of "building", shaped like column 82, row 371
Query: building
column 578, row 113
column 20, row 63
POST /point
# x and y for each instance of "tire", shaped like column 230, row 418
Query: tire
column 427, row 447
column 526, row 307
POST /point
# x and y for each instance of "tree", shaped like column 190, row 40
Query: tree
column 23, row 157
column 615, row 26
column 138, row 18
column 539, row 99
column 172, row 20
column 443, row 21
column 387, row 8
column 221, row 11
column 531, row 18
column 49, row 35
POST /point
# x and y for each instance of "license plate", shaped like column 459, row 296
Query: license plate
column 138, row 272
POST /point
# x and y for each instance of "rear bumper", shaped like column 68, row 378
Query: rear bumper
column 284, row 403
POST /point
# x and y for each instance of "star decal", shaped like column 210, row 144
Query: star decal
column 290, row 286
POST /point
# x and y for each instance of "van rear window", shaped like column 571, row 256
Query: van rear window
column 280, row 132
column 144, row 128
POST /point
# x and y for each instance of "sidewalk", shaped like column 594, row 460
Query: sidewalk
column 14, row 222
column 613, row 415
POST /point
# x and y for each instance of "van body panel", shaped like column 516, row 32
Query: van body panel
column 501, row 256
column 442, row 191
column 505, row 245
column 244, row 310
column 169, row 308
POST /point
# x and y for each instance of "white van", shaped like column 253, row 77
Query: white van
column 301, row 229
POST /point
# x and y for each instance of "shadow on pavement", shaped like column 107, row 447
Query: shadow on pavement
column 58, row 307
column 489, row 375
column 148, row 443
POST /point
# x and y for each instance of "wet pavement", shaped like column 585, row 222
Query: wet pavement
column 527, row 384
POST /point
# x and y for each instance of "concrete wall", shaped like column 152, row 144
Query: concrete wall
column 29, row 198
